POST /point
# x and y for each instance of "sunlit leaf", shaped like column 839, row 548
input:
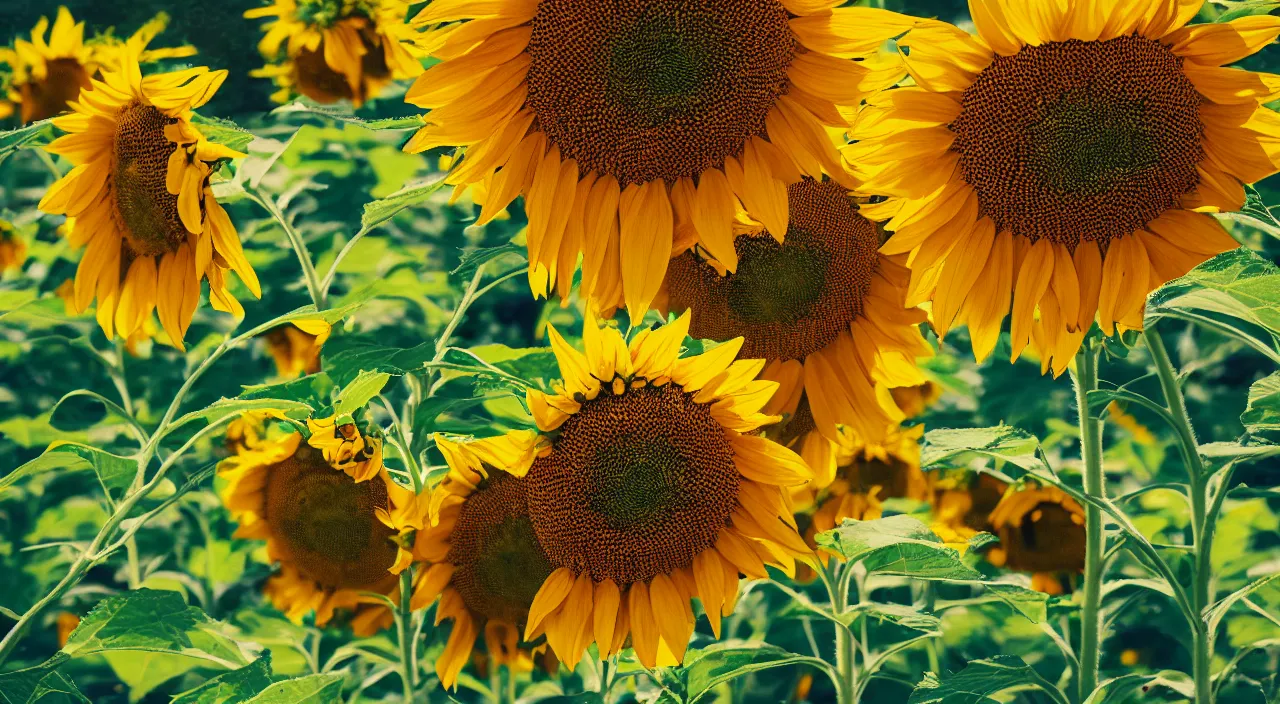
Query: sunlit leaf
column 897, row 545
column 1131, row 687
column 948, row 447
column 381, row 210
column 980, row 679
column 356, row 394
column 1262, row 416
column 224, row 132
column 231, row 687
column 115, row 472
column 312, row 689
column 33, row 135
column 1239, row 284
column 721, row 662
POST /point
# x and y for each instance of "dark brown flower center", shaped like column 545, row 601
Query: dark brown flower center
column 501, row 566
column 1080, row 140
column 327, row 522
column 315, row 79
column 1045, row 540
column 649, row 89
column 787, row 300
column 147, row 212
column 636, row 485
column 49, row 97
column 893, row 476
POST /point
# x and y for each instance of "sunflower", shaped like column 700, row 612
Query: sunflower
column 635, row 128
column 1059, row 165
column 295, row 347
column 333, row 537
column 823, row 308
column 142, row 201
column 485, row 561
column 646, row 488
column 13, row 248
column 964, row 503
column 344, row 446
column 46, row 76
column 1041, row 531
column 336, row 49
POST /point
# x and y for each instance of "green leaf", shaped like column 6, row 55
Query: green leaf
column 1213, row 615
column 476, row 258
column 115, row 472
column 1030, row 603
column 728, row 660
column 1135, row 687
column 13, row 300
column 1237, row 9
column 897, row 614
column 231, row 687
column 224, row 132
column 897, row 545
column 33, row 135
column 946, row 448
column 980, row 678
column 56, row 688
column 408, row 122
column 155, row 621
column 312, row 689
column 143, row 672
column 16, row 687
column 345, row 356
column 356, row 395
column 381, row 210
column 1239, row 284
column 224, row 407
column 311, row 390
column 1262, row 415
column 1237, row 451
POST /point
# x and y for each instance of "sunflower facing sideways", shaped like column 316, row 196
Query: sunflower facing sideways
column 48, row 74
column 336, row 50
column 824, row 309
column 646, row 488
column 143, row 204
column 1060, row 164
column 636, row 128
column 333, row 536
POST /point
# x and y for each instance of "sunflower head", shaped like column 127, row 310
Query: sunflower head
column 48, row 72
column 332, row 536
column 638, row 129
column 334, row 50
column 1041, row 530
column 141, row 196
column 346, row 447
column 1071, row 151
column 486, row 563
column 647, row 487
column 13, row 247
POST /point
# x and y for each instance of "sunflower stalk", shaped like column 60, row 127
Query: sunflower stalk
column 319, row 293
column 834, row 576
column 1085, row 376
column 406, row 634
column 1202, row 521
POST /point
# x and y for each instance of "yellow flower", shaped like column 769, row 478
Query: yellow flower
column 13, row 248
column 333, row 537
column 1041, row 531
column 485, row 561
column 295, row 346
column 336, row 49
column 823, row 308
column 66, row 623
column 48, row 75
column 1117, row 414
column 346, row 448
column 1057, row 166
column 634, row 130
column 143, row 205
column 647, row 487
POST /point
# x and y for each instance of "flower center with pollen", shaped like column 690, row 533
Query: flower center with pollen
column 327, row 523
column 636, row 485
column 500, row 565
column 787, row 300
column 892, row 476
column 42, row 99
column 147, row 211
column 656, row 89
column 1047, row 539
column 1078, row 140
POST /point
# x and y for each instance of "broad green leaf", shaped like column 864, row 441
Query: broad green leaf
column 224, row 132
column 381, row 210
column 1255, row 212
column 1262, row 415
column 728, row 660
column 312, row 689
column 947, row 447
column 1213, row 615
column 474, row 259
column 897, row 614
column 231, row 687
column 311, row 390
column 224, row 407
column 143, row 671
column 115, row 472
column 56, row 688
column 16, row 687
column 978, row 680
column 15, row 299
column 1028, row 602
column 897, row 545
column 1234, row 450
column 408, row 122
column 1239, row 284
column 32, row 135
column 345, row 356
column 155, row 621
column 359, row 391
column 1135, row 687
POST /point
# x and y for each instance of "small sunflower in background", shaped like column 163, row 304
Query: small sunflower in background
column 295, row 347
column 962, row 503
column 823, row 308
column 13, row 248
column 144, row 207
column 335, row 50
column 637, row 129
column 332, row 536
column 647, row 487
column 1041, row 531
column 485, row 562
column 1057, row 166
column 46, row 75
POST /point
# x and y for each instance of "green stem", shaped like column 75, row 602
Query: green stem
column 933, row 647
column 1201, row 530
column 1086, row 380
column 838, row 591
column 318, row 293
column 405, row 631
